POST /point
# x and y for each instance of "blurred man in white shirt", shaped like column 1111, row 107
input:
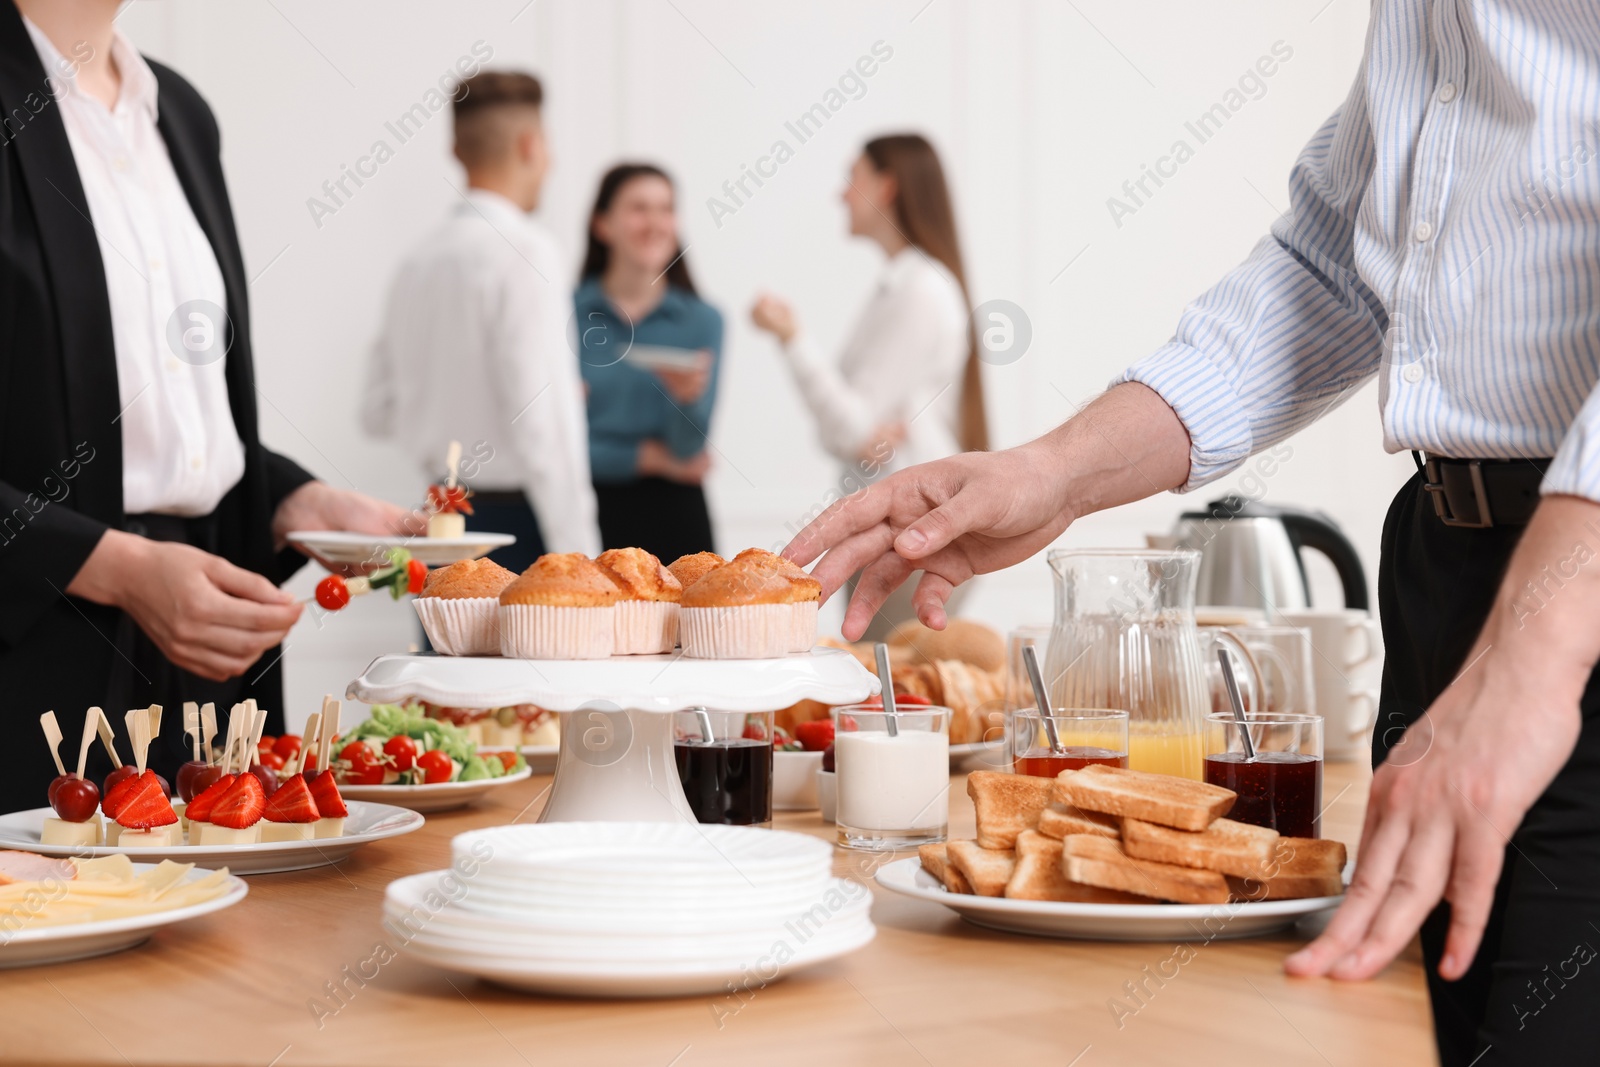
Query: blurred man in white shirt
column 473, row 346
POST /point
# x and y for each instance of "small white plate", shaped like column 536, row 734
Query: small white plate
column 794, row 780
column 441, row 796
column 79, row 941
column 1105, row 922
column 367, row 822
column 337, row 546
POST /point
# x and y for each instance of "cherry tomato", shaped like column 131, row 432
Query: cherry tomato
column 364, row 766
column 287, row 746
column 266, row 743
column 416, row 574
column 333, row 593
column 402, row 750
column 436, row 767
column 273, row 760
column 507, row 758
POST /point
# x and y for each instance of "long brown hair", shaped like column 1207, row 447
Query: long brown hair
column 926, row 218
column 598, row 256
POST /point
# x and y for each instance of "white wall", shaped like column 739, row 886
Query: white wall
column 1042, row 111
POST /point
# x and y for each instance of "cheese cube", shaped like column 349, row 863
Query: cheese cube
column 79, row 834
column 212, row 834
column 155, row 837
column 286, row 831
column 328, row 827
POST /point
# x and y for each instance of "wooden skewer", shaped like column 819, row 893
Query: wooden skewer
column 52, row 734
column 452, row 461
column 307, row 738
column 90, row 721
column 108, row 738
column 154, row 711
column 138, row 723
column 208, row 726
column 191, row 726
column 235, row 719
column 330, row 730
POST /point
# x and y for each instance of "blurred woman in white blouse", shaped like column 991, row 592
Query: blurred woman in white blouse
column 906, row 386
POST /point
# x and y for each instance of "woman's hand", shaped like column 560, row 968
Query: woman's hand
column 656, row 460
column 687, row 385
column 774, row 315
column 319, row 506
column 206, row 615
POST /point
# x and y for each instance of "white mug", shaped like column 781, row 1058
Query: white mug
column 1342, row 640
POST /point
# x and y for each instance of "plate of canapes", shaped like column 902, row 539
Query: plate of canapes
column 238, row 815
column 1111, row 854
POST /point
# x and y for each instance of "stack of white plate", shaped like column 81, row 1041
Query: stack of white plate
column 630, row 909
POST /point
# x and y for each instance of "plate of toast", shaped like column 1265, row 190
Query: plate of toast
column 1112, row 854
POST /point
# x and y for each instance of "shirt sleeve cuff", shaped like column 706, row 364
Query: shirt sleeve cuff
column 1207, row 405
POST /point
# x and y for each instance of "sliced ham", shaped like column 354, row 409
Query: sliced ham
column 31, row 867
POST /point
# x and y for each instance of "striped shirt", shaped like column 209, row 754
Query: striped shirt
column 1443, row 234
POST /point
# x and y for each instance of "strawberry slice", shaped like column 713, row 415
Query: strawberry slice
column 146, row 806
column 292, row 802
column 242, row 805
column 326, row 794
column 118, row 794
column 200, row 808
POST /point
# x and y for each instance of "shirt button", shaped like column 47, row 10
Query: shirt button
column 1423, row 231
column 120, row 163
column 1412, row 373
column 156, row 264
column 197, row 462
column 1447, row 92
column 173, row 364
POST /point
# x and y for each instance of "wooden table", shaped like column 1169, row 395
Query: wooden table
column 252, row 985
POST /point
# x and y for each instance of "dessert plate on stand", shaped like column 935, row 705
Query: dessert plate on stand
column 337, row 546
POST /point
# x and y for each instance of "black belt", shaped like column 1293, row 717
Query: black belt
column 1480, row 493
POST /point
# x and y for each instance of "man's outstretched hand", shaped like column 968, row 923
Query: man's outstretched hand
column 982, row 511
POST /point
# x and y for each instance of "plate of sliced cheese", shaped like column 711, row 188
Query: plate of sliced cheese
column 1111, row 854
column 55, row 910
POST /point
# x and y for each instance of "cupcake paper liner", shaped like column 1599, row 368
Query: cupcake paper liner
column 464, row 626
column 646, row 627
column 751, row 631
column 538, row 631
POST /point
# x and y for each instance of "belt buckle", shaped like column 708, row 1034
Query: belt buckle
column 1434, row 484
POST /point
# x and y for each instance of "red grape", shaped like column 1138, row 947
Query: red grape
column 76, row 800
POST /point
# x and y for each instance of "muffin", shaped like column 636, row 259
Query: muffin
column 562, row 607
column 647, row 615
column 690, row 569
column 756, row 607
column 460, row 607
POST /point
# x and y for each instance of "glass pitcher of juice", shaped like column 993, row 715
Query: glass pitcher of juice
column 1124, row 637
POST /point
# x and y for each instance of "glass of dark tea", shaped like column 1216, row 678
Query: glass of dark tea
column 725, row 763
column 1084, row 736
column 1281, row 788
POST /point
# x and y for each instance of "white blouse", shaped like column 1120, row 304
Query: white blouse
column 181, row 452
column 903, row 362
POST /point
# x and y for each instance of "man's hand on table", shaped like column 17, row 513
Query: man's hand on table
column 983, row 511
column 1449, row 796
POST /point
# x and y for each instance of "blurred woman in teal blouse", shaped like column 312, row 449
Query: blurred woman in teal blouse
column 650, row 350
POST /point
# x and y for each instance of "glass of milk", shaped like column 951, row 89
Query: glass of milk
column 894, row 790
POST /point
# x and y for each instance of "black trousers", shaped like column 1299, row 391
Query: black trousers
column 1532, row 995
column 662, row 517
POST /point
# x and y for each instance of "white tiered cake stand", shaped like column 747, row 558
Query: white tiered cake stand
column 616, row 762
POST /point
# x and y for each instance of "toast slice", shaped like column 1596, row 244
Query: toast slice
column 1159, row 798
column 956, row 882
column 1098, row 861
column 1226, row 846
column 1039, row 876
column 1058, row 820
column 934, row 859
column 1006, row 805
column 988, row 870
column 1299, row 867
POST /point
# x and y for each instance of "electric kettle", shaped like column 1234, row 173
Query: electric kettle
column 1250, row 555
